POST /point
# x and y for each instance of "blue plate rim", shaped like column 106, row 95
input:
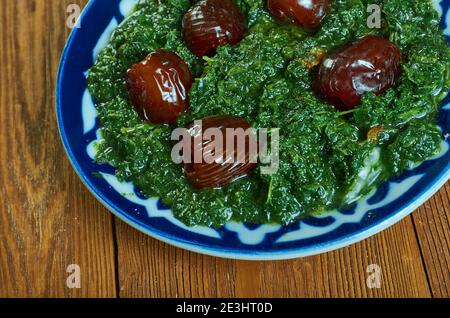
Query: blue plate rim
column 197, row 247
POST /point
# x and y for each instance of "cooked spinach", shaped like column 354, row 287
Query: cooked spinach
column 327, row 158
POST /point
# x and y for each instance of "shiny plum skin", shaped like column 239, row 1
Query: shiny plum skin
column 212, row 23
column 158, row 87
column 308, row 14
column 236, row 161
column 371, row 64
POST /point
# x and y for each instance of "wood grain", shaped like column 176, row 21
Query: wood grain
column 432, row 222
column 152, row 269
column 48, row 219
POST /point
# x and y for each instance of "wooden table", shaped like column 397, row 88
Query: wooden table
column 49, row 220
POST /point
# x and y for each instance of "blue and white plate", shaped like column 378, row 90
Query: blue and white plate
column 79, row 129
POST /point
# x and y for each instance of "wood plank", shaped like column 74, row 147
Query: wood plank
column 343, row 273
column 432, row 222
column 47, row 218
column 149, row 268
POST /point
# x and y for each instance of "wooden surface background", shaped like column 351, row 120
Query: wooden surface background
column 49, row 220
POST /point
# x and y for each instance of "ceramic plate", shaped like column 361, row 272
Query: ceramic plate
column 79, row 127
